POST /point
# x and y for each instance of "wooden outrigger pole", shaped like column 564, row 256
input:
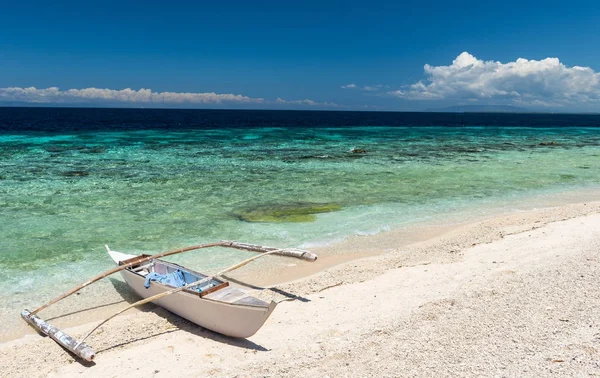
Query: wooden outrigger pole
column 84, row 351
column 291, row 252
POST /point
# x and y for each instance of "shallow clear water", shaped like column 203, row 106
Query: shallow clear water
column 64, row 195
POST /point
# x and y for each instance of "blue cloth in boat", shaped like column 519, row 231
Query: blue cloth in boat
column 175, row 279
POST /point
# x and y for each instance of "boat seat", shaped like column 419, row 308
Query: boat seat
column 235, row 296
column 251, row 301
column 143, row 270
column 228, row 294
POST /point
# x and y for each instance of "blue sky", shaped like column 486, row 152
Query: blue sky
column 307, row 55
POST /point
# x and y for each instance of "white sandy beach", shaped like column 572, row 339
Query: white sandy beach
column 515, row 295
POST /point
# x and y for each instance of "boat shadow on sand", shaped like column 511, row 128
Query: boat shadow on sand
column 182, row 324
column 283, row 293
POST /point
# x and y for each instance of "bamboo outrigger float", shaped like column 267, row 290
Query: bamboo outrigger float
column 205, row 300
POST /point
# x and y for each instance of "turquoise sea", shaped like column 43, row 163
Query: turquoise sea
column 74, row 180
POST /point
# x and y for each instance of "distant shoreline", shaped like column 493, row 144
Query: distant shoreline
column 442, row 110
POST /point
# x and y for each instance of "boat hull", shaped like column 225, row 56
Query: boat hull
column 229, row 319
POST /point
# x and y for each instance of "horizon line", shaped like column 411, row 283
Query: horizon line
column 73, row 106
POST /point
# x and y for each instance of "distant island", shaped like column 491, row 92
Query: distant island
column 479, row 109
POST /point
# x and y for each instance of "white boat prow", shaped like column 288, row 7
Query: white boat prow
column 118, row 256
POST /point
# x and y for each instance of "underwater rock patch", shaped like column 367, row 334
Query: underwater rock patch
column 59, row 148
column 461, row 150
column 75, row 174
column 95, row 150
column 286, row 213
column 567, row 177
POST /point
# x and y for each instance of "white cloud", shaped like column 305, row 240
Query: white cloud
column 372, row 88
column 307, row 102
column 142, row 96
column 366, row 88
column 546, row 82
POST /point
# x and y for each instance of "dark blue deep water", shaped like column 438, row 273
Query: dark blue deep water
column 100, row 119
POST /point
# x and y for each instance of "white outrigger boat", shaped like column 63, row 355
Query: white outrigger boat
column 214, row 304
column 204, row 300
